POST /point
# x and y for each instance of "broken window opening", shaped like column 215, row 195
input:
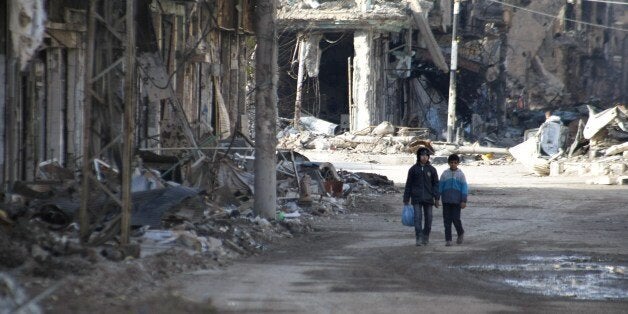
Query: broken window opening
column 325, row 96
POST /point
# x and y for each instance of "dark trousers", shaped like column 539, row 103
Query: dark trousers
column 421, row 210
column 451, row 214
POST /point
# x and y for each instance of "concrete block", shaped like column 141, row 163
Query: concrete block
column 617, row 168
column 575, row 168
column 556, row 168
column 602, row 180
column 606, row 180
column 599, row 169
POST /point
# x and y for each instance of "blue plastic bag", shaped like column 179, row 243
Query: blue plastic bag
column 407, row 215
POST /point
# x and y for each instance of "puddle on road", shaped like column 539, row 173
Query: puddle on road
column 575, row 276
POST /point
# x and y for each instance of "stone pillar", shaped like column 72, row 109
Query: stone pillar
column 363, row 99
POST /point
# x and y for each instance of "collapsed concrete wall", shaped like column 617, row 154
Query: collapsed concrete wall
column 566, row 53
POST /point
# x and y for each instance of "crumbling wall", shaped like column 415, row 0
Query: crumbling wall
column 525, row 37
column 27, row 27
column 198, row 51
column 556, row 61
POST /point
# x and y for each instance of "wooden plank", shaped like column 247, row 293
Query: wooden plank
column 225, row 71
column 190, row 95
column 179, row 44
column 3, row 73
column 248, row 16
column 244, row 125
column 63, row 38
column 34, row 135
column 167, row 7
column 205, row 102
column 130, row 90
column 76, row 89
column 55, row 105
column 233, row 79
column 71, row 27
column 87, row 130
column 227, row 15
column 158, row 26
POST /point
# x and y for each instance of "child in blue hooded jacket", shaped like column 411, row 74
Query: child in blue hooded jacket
column 453, row 190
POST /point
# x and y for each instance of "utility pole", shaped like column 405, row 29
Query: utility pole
column 451, row 108
column 87, row 122
column 129, row 123
column 265, row 199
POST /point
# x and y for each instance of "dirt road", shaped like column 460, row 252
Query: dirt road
column 550, row 244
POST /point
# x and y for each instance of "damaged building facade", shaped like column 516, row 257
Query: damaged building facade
column 368, row 61
column 190, row 84
column 355, row 63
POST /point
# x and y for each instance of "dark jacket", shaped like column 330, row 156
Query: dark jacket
column 421, row 185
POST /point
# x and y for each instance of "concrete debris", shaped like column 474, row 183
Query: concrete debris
column 210, row 214
column 597, row 148
column 612, row 118
column 616, row 149
column 319, row 126
column 144, row 180
column 384, row 138
column 384, row 128
column 51, row 170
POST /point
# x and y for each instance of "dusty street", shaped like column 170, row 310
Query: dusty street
column 533, row 244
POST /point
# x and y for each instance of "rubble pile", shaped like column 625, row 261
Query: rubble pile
column 384, row 138
column 567, row 142
column 207, row 217
column 597, row 147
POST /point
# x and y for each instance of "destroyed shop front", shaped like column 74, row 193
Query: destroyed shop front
column 366, row 62
column 191, row 63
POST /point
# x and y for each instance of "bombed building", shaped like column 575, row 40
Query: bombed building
column 371, row 61
column 63, row 70
column 65, row 73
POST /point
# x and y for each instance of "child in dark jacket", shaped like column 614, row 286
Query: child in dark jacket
column 453, row 189
column 422, row 190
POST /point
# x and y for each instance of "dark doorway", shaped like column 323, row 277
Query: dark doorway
column 325, row 96
column 337, row 48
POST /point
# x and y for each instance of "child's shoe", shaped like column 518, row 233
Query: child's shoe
column 460, row 239
column 448, row 243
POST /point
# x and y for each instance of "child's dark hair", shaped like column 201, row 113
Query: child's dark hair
column 453, row 157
